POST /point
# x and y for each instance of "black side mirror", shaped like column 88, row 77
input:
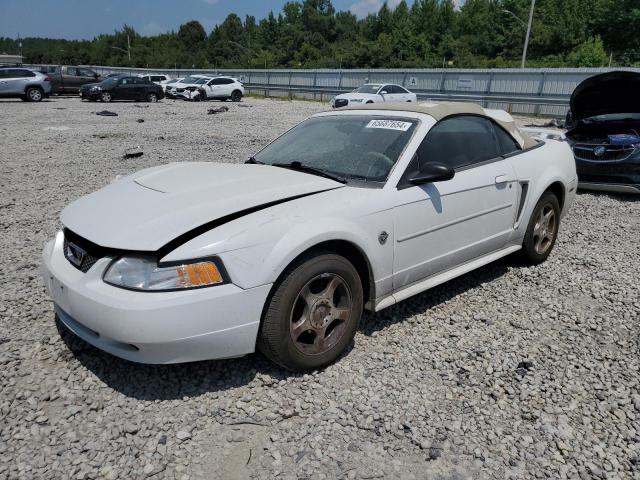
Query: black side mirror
column 432, row 172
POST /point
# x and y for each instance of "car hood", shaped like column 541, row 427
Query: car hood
column 613, row 92
column 148, row 210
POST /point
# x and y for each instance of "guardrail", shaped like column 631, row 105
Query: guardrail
column 482, row 98
column 530, row 91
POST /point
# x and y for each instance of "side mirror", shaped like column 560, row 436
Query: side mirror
column 383, row 92
column 432, row 172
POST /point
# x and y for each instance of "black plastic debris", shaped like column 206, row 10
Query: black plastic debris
column 107, row 113
column 133, row 152
column 140, row 120
column 213, row 111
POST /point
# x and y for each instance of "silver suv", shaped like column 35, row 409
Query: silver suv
column 30, row 86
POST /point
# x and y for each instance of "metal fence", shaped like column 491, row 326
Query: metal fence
column 527, row 91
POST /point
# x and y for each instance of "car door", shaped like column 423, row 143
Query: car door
column 141, row 86
column 215, row 88
column 71, row 81
column 226, row 87
column 9, row 81
column 124, row 90
column 4, row 81
column 444, row 224
column 86, row 76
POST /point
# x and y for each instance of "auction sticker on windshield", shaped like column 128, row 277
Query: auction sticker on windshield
column 390, row 125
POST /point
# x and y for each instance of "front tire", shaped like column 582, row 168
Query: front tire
column 105, row 97
column 542, row 230
column 313, row 313
column 34, row 94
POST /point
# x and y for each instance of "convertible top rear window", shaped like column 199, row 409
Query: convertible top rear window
column 351, row 146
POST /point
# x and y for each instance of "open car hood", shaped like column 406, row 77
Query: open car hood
column 148, row 210
column 612, row 92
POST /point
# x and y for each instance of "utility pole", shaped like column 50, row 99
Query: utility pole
column 526, row 39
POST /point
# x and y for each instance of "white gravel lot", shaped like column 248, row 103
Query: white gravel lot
column 507, row 372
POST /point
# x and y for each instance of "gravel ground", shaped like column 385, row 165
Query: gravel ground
column 507, row 372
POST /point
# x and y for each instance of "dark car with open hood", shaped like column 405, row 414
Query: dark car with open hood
column 122, row 87
column 604, row 132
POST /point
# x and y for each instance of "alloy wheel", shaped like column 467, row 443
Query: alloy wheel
column 320, row 314
column 544, row 230
column 35, row 95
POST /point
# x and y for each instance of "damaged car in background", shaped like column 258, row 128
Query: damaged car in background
column 353, row 209
column 604, row 132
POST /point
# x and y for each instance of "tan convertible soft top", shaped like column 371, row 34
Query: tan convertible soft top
column 442, row 110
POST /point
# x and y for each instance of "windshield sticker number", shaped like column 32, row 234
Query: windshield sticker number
column 389, row 125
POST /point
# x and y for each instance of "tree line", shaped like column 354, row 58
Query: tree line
column 418, row 34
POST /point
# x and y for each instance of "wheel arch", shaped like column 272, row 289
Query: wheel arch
column 33, row 85
column 347, row 249
column 559, row 190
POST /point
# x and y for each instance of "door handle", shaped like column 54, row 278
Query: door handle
column 501, row 179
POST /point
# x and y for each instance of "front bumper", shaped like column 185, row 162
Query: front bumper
column 617, row 176
column 152, row 327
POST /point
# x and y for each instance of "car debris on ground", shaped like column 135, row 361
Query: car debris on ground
column 133, row 152
column 213, row 111
column 107, row 113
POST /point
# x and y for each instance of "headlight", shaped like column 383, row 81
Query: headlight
column 144, row 273
column 95, row 89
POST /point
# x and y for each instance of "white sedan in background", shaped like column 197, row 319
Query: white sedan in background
column 374, row 93
column 351, row 209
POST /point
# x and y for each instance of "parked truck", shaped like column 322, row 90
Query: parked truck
column 69, row 79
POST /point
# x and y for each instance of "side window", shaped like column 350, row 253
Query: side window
column 216, row 81
column 395, row 89
column 85, row 72
column 386, row 88
column 125, row 81
column 72, row 71
column 228, row 81
column 506, row 141
column 459, row 141
column 402, row 90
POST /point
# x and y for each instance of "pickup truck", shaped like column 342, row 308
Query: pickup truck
column 69, row 79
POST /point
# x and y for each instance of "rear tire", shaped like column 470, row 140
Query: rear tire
column 34, row 94
column 542, row 231
column 152, row 98
column 236, row 96
column 313, row 313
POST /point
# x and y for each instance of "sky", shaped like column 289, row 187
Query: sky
column 84, row 19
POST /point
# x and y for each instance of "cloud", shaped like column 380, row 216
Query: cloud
column 151, row 29
column 211, row 2
column 363, row 7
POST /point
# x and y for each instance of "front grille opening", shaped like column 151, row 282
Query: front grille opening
column 602, row 152
column 81, row 253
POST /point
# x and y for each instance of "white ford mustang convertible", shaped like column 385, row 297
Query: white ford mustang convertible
column 351, row 209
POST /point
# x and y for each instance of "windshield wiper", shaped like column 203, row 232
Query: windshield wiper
column 312, row 170
column 252, row 160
